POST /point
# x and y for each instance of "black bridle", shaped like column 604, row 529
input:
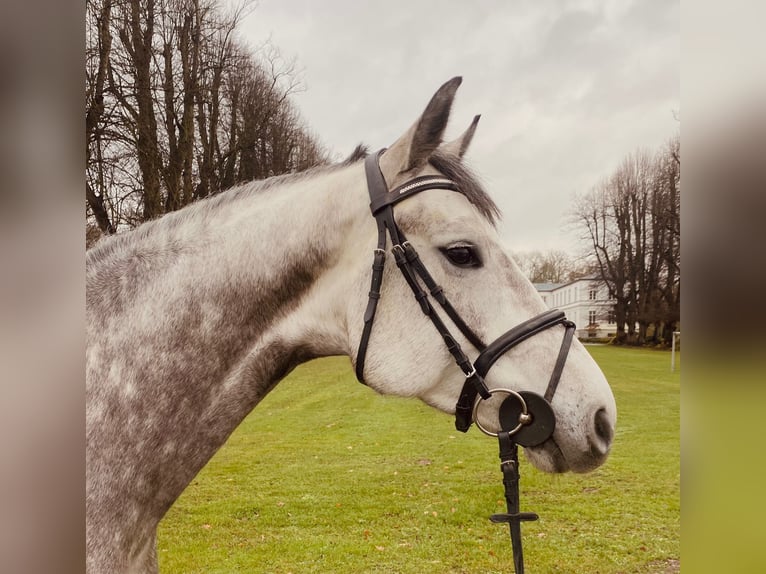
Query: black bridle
column 526, row 418
column 414, row 271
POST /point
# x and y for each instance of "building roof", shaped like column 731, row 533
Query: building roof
column 547, row 286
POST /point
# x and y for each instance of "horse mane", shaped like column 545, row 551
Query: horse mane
column 360, row 152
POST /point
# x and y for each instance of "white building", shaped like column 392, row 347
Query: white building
column 586, row 302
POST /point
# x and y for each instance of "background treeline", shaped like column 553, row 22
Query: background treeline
column 551, row 266
column 177, row 108
column 631, row 228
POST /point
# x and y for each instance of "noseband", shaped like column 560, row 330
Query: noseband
column 414, row 271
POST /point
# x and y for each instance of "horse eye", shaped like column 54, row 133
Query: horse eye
column 462, row 256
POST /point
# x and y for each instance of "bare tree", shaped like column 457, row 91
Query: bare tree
column 600, row 214
column 96, row 67
column 668, row 222
column 178, row 109
column 552, row 266
column 137, row 35
column 631, row 225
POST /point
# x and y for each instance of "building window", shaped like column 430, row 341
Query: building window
column 592, row 294
column 591, row 317
column 611, row 317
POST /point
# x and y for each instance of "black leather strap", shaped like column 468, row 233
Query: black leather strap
column 438, row 293
column 500, row 346
column 378, row 264
column 553, row 383
column 408, row 189
column 376, row 186
column 509, row 464
column 513, row 337
column 402, row 261
column 408, row 261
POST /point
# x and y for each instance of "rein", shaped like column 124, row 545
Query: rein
column 526, row 418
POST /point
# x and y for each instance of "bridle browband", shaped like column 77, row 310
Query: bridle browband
column 526, row 418
column 382, row 203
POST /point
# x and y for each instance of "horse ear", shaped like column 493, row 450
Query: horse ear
column 459, row 146
column 418, row 143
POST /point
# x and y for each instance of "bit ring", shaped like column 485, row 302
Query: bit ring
column 524, row 417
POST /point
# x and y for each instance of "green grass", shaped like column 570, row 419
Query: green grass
column 326, row 476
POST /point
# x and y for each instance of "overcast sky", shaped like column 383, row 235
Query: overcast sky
column 565, row 89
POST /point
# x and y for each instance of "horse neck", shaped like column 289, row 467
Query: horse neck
column 192, row 320
column 258, row 253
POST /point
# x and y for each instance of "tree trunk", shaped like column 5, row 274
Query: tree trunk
column 149, row 162
column 173, row 168
column 93, row 119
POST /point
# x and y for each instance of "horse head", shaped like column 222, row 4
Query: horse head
column 453, row 232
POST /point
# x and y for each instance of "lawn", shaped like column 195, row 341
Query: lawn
column 326, row 476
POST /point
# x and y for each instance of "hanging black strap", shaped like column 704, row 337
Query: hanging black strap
column 509, row 465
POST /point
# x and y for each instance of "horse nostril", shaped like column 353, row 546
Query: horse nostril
column 604, row 430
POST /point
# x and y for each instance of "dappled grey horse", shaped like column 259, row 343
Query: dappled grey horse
column 193, row 318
